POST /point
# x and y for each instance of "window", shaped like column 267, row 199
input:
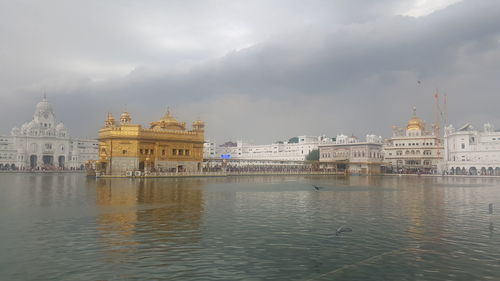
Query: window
column 174, row 151
column 463, row 145
column 124, row 151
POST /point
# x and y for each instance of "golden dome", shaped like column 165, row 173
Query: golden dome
column 125, row 115
column 168, row 122
column 125, row 118
column 198, row 123
column 169, row 119
column 415, row 123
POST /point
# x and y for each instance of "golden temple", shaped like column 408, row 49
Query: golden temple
column 166, row 146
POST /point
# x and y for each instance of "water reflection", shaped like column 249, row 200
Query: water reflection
column 136, row 216
column 68, row 227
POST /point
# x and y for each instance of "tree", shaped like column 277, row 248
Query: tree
column 294, row 140
column 313, row 155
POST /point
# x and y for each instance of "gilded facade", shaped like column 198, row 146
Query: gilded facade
column 166, row 146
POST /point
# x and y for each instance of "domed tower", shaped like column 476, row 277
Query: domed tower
column 44, row 114
column 110, row 121
column 415, row 125
column 199, row 126
column 125, row 118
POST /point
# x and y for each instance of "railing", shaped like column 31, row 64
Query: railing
column 137, row 174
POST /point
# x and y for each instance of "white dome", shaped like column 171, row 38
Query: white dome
column 60, row 127
column 15, row 131
column 44, row 106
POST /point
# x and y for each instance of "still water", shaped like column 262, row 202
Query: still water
column 69, row 227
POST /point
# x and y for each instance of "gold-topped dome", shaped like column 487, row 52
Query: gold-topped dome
column 125, row 118
column 415, row 123
column 198, row 125
column 168, row 122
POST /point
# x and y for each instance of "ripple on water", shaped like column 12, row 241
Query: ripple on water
column 259, row 228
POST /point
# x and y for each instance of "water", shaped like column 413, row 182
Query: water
column 69, row 227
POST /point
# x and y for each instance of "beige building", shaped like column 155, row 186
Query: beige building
column 413, row 149
column 352, row 156
column 166, row 146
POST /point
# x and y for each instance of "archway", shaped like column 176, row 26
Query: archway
column 61, row 162
column 458, row 171
column 483, row 171
column 490, row 171
column 497, row 171
column 13, row 166
column 48, row 160
column 452, row 171
column 33, row 160
column 141, row 165
column 473, row 171
column 464, row 172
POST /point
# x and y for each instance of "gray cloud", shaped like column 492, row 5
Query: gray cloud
column 255, row 70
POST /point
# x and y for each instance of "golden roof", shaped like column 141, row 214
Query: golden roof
column 198, row 123
column 168, row 122
column 415, row 123
column 125, row 115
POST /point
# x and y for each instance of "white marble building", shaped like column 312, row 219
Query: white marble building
column 469, row 151
column 44, row 143
column 282, row 151
column 413, row 149
column 352, row 155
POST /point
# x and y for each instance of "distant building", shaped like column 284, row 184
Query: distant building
column 351, row 155
column 279, row 151
column 469, row 151
column 44, row 143
column 413, row 149
column 165, row 146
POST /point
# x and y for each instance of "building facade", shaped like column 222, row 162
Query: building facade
column 350, row 155
column 279, row 151
column 469, row 151
column 44, row 144
column 166, row 146
column 413, row 149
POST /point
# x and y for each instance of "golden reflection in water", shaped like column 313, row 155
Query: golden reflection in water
column 152, row 211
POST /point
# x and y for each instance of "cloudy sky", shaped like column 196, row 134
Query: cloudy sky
column 254, row 70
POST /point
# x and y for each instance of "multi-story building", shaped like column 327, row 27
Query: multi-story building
column 44, row 143
column 209, row 149
column 351, row 155
column 165, row 146
column 469, row 151
column 413, row 149
column 279, row 151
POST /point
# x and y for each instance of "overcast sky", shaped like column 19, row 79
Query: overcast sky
column 255, row 70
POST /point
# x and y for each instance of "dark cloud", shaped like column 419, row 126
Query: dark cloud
column 261, row 71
